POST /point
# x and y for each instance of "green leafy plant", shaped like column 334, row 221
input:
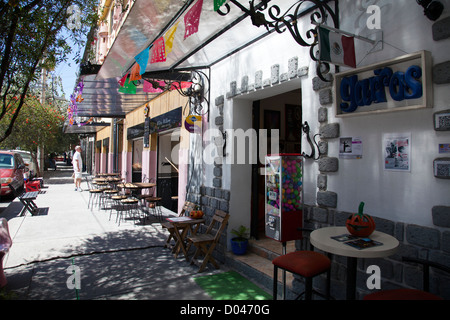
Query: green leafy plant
column 242, row 233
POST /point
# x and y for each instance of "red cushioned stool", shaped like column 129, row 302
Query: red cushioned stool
column 307, row 264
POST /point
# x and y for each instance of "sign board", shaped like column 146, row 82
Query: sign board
column 147, row 132
column 400, row 84
column 166, row 121
column 193, row 124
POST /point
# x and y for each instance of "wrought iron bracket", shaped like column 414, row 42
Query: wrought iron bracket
column 312, row 143
column 197, row 92
column 271, row 17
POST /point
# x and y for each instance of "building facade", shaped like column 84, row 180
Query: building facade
column 262, row 95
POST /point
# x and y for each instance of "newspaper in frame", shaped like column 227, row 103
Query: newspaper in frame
column 397, row 152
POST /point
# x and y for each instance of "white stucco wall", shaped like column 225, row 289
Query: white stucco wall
column 399, row 196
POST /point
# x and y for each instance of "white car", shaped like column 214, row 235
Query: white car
column 29, row 162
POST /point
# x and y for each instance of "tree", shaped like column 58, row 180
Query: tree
column 31, row 40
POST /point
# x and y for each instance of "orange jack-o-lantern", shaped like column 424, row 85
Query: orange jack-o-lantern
column 196, row 214
column 360, row 224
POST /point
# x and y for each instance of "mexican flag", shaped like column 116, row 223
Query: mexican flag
column 336, row 48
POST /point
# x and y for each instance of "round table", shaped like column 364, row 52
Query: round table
column 322, row 240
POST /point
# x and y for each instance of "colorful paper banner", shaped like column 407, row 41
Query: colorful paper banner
column 192, row 19
column 142, row 59
column 159, row 51
column 135, row 73
column 169, row 37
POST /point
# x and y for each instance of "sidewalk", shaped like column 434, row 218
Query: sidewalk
column 116, row 262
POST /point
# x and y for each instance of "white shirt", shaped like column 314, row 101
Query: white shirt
column 77, row 162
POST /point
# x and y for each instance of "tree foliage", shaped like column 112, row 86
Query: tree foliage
column 31, row 40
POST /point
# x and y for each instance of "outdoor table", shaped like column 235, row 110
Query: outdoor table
column 107, row 175
column 321, row 239
column 183, row 225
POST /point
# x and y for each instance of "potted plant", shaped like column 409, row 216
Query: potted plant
column 239, row 243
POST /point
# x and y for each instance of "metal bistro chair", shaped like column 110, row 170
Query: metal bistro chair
column 129, row 206
column 116, row 205
column 305, row 263
column 94, row 192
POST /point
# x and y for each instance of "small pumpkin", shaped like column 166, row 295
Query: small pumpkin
column 196, row 214
column 360, row 224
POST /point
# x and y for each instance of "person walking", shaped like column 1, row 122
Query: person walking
column 77, row 162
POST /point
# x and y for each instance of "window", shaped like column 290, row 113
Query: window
column 6, row 161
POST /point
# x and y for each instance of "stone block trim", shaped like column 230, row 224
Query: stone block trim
column 441, row 73
column 328, row 164
column 276, row 77
column 327, row 199
column 441, row 216
column 441, row 29
column 415, row 241
column 423, row 236
column 330, row 131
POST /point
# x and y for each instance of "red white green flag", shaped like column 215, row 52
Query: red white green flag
column 336, row 48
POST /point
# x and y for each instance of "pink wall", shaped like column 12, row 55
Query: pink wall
column 126, row 166
column 96, row 162
column 110, row 162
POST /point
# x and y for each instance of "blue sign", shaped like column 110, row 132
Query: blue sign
column 400, row 86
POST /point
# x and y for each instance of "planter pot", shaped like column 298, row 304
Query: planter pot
column 239, row 246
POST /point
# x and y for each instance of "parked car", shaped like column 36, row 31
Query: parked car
column 12, row 167
column 30, row 162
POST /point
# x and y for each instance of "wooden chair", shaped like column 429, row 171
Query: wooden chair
column 187, row 208
column 205, row 243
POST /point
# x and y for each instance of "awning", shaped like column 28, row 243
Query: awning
column 101, row 98
column 90, row 128
column 218, row 36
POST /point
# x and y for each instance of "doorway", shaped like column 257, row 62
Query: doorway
column 168, row 159
column 282, row 112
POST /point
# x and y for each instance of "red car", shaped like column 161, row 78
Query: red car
column 12, row 168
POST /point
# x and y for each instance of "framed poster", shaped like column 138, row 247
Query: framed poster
column 397, row 152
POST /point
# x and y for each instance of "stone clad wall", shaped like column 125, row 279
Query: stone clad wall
column 429, row 243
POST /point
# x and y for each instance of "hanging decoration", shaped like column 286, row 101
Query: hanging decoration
column 142, row 59
column 192, row 19
column 135, row 74
column 128, row 88
column 122, row 81
column 159, row 51
column 154, row 86
column 72, row 109
column 169, row 37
